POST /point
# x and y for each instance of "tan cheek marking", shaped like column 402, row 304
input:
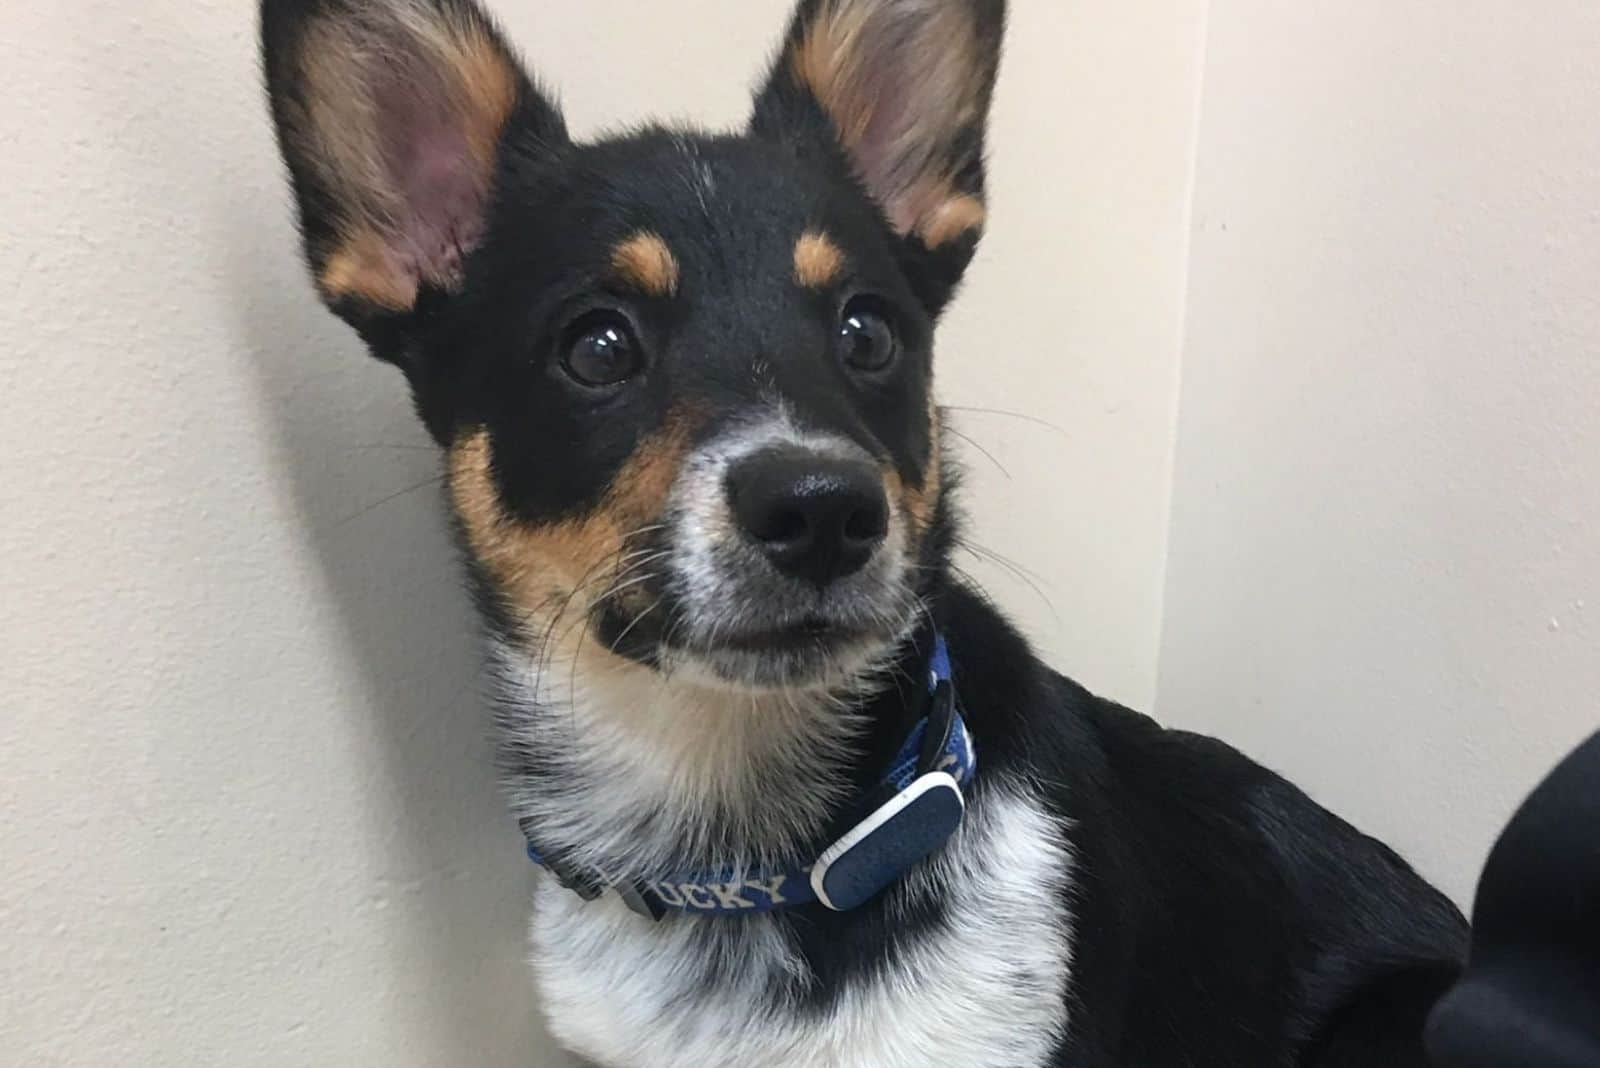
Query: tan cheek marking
column 645, row 262
column 536, row 566
column 920, row 503
column 817, row 260
column 533, row 566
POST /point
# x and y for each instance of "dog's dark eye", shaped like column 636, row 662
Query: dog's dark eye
column 600, row 350
column 866, row 339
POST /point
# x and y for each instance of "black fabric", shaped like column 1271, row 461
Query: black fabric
column 1531, row 993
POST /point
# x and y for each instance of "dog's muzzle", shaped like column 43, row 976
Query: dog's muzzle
column 786, row 561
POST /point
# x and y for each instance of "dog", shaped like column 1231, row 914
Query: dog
column 802, row 796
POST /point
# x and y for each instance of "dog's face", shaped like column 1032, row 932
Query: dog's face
column 684, row 381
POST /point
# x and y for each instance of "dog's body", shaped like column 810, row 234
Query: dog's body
column 684, row 386
column 1119, row 894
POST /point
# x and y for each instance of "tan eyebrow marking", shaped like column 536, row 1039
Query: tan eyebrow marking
column 817, row 260
column 645, row 261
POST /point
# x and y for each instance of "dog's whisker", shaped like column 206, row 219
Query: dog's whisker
column 985, row 453
column 432, row 480
column 1023, row 416
column 1028, row 578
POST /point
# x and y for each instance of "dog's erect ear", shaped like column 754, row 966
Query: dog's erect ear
column 902, row 88
column 391, row 114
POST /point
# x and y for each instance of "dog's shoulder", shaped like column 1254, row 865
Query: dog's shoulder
column 1228, row 903
column 1211, row 898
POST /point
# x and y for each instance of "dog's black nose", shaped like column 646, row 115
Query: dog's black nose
column 817, row 518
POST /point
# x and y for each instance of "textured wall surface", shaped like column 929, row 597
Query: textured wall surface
column 249, row 817
column 1385, row 548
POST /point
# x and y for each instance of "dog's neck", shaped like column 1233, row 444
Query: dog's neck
column 621, row 767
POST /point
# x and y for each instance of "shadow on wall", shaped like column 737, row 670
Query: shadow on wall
column 367, row 485
column 363, row 479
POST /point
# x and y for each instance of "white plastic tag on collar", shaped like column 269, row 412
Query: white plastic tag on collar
column 894, row 836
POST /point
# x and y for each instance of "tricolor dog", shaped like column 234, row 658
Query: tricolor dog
column 802, row 797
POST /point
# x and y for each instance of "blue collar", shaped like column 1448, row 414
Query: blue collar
column 915, row 807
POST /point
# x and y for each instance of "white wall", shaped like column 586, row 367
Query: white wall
column 1385, row 548
column 1073, row 315
column 248, row 811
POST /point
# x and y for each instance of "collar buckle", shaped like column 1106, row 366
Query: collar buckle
column 588, row 885
column 639, row 900
column 897, row 834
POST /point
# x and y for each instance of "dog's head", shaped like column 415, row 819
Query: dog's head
column 684, row 381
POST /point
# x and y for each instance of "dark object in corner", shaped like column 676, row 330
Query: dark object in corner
column 1530, row 997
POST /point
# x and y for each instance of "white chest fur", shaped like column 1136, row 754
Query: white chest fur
column 985, row 989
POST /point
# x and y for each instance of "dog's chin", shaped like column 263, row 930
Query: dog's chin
column 808, row 657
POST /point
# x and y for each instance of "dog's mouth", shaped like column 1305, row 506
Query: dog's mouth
column 813, row 632
column 812, row 654
column 815, row 648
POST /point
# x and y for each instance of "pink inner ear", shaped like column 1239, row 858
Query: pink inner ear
column 902, row 81
column 881, row 151
column 440, row 185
